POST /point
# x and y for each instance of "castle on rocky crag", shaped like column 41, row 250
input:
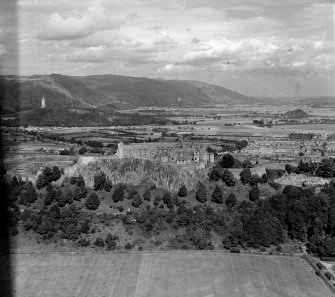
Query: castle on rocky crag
column 176, row 153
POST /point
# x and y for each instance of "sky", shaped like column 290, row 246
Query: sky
column 256, row 47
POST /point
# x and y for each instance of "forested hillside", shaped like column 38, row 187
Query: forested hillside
column 220, row 212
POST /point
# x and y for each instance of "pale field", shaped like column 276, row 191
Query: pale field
column 170, row 274
column 218, row 126
column 275, row 107
column 27, row 165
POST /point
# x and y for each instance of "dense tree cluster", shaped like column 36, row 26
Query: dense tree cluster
column 201, row 194
column 245, row 175
column 228, row 178
column 227, row 161
column 300, row 213
column 147, row 195
column 92, row 201
column 296, row 213
column 217, row 195
column 118, row 194
column 231, row 145
column 325, row 168
column 182, row 191
column 137, row 201
column 47, row 176
column 99, row 181
column 254, row 194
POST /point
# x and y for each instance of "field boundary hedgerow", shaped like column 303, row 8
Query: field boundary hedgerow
column 321, row 275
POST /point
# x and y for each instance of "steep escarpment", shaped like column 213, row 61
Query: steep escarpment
column 135, row 171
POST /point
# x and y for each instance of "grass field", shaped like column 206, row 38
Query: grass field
column 171, row 274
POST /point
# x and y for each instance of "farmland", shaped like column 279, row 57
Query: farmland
column 172, row 274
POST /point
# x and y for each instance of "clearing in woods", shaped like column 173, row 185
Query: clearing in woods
column 172, row 274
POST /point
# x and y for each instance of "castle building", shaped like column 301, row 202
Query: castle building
column 181, row 153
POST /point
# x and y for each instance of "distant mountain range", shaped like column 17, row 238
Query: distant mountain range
column 25, row 92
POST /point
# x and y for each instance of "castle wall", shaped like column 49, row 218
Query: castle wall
column 183, row 154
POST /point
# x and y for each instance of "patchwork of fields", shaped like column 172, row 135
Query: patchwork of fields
column 172, row 274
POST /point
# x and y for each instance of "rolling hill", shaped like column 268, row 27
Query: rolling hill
column 296, row 114
column 25, row 93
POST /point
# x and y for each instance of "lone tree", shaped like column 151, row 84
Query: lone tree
column 167, row 199
column 54, row 212
column 111, row 241
column 108, row 185
column 227, row 161
column 147, row 195
column 99, row 242
column 215, row 174
column 99, row 181
column 50, row 195
column 231, row 200
column 290, row 168
column 175, row 200
column 47, row 176
column 254, row 194
column 201, row 194
column 326, row 168
column 92, row 201
column 64, row 198
column 80, row 181
column 137, row 201
column 79, row 193
column 246, row 164
column 217, row 195
column 56, row 174
column 245, row 175
column 28, row 194
column 228, row 178
column 131, row 194
column 264, row 178
column 82, row 150
column 182, row 191
column 118, row 194
column 255, row 179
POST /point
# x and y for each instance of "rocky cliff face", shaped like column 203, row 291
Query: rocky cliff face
column 135, row 171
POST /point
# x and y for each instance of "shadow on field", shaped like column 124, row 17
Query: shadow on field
column 5, row 267
column 8, row 65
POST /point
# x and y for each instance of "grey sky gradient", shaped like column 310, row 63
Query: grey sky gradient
column 257, row 47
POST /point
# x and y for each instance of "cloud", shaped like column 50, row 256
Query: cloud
column 190, row 39
column 58, row 27
column 2, row 50
column 155, row 27
column 195, row 40
column 163, row 40
column 178, row 69
column 91, row 55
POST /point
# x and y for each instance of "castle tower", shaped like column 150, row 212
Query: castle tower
column 196, row 157
column 120, row 151
column 211, row 158
column 43, row 105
